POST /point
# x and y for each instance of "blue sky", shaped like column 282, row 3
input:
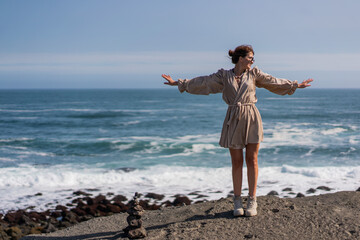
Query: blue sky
column 129, row 44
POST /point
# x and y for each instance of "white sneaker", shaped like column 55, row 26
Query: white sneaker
column 238, row 207
column 251, row 207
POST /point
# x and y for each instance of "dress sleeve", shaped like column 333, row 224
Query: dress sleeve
column 275, row 85
column 203, row 85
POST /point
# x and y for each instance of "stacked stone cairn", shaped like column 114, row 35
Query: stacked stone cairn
column 135, row 229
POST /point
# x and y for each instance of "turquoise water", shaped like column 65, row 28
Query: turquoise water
column 81, row 138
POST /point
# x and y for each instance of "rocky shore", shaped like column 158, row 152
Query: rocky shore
column 84, row 209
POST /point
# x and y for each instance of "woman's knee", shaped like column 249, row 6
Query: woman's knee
column 237, row 163
column 251, row 161
column 236, row 158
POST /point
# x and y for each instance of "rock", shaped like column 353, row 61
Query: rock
column 134, row 221
column 287, row 190
column 38, row 216
column 14, row 233
column 119, row 198
column 300, row 195
column 3, row 234
column 275, row 210
column 358, row 190
column 273, row 193
column 181, row 201
column 248, row 236
column 92, row 189
column 126, row 169
column 14, row 217
column 324, row 188
column 311, row 190
column 38, row 194
column 102, row 208
column 91, row 210
column 36, row 230
column 56, row 214
column 78, row 211
column 100, row 199
column 61, row 207
column 70, row 217
column 134, row 233
column 89, row 200
column 216, row 191
column 65, row 224
column 202, row 196
column 78, row 193
column 194, row 193
column 135, row 211
column 27, row 221
column 292, row 207
column 122, row 206
column 166, row 204
column 155, row 196
column 49, row 228
column 113, row 208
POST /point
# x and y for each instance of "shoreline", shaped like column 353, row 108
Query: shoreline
column 85, row 207
column 326, row 216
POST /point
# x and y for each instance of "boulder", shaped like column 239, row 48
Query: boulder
column 14, row 233
column 300, row 195
column 181, row 201
column 49, row 228
column 79, row 193
column 137, row 233
column 324, row 188
column 311, row 190
column 134, row 221
column 119, row 198
column 273, row 193
column 3, row 234
column 155, row 196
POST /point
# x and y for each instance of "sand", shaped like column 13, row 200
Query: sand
column 328, row 216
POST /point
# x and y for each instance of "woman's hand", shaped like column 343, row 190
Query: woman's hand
column 305, row 83
column 169, row 80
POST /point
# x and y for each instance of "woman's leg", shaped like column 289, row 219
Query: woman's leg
column 237, row 160
column 252, row 150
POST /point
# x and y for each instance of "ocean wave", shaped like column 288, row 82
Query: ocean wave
column 333, row 131
column 100, row 114
column 351, row 149
column 16, row 140
column 4, row 159
column 354, row 140
column 55, row 181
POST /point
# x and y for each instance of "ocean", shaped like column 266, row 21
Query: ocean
column 55, row 142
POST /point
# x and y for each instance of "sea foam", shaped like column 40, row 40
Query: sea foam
column 19, row 185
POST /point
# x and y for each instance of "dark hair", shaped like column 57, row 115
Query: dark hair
column 240, row 51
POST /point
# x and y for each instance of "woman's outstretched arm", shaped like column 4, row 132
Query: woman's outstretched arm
column 202, row 85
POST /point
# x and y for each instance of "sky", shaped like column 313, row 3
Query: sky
column 129, row 44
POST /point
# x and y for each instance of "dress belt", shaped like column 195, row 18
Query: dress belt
column 240, row 104
column 232, row 112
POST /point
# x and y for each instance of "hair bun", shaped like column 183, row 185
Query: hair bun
column 231, row 53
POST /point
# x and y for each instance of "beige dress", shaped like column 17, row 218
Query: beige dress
column 242, row 124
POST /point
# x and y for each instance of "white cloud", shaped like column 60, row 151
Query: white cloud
column 170, row 62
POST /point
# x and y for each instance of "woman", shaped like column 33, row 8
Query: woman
column 242, row 126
